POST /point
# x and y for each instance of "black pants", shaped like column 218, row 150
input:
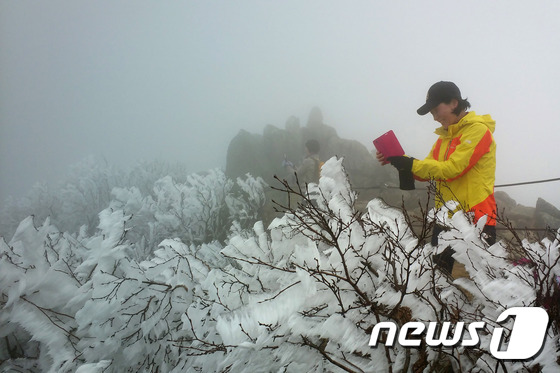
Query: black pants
column 445, row 260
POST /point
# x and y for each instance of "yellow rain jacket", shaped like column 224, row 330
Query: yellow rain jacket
column 463, row 163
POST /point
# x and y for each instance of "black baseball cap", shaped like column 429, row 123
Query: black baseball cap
column 438, row 93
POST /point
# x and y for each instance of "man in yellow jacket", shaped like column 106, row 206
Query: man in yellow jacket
column 463, row 159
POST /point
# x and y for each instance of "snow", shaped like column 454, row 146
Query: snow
column 163, row 285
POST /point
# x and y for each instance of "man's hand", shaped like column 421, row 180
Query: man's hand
column 381, row 158
column 401, row 163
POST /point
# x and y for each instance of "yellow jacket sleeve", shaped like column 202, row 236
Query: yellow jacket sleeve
column 456, row 154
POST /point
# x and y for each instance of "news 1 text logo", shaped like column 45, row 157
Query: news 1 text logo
column 525, row 340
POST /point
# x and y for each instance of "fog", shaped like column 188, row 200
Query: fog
column 176, row 81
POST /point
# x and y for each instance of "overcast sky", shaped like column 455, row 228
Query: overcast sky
column 176, row 80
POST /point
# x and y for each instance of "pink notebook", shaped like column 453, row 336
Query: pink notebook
column 388, row 145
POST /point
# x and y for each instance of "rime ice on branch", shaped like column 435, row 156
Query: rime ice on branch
column 302, row 294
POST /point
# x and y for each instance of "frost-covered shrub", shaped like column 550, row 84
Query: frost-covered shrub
column 200, row 210
column 302, row 294
column 111, row 289
column 83, row 298
column 164, row 201
column 77, row 200
column 307, row 292
column 39, row 281
column 68, row 301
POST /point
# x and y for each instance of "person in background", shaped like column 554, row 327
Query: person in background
column 462, row 161
column 310, row 169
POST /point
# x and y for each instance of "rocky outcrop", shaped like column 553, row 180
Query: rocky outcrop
column 546, row 215
column 262, row 155
column 536, row 221
column 518, row 215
